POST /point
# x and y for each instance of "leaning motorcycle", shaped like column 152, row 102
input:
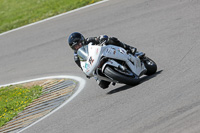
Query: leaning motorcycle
column 114, row 64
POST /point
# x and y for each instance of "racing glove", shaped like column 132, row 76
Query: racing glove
column 103, row 39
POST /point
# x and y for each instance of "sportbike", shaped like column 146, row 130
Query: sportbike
column 114, row 64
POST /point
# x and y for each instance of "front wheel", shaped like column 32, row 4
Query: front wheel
column 150, row 66
column 122, row 78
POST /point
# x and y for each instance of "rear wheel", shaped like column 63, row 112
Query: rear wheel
column 128, row 78
column 150, row 66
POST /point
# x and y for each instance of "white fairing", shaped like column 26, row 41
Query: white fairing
column 90, row 56
column 93, row 58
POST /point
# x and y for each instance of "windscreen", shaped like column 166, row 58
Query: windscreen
column 83, row 53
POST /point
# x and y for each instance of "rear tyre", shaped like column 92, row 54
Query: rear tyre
column 121, row 78
column 150, row 66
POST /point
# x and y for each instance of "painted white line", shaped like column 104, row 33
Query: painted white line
column 80, row 88
column 53, row 17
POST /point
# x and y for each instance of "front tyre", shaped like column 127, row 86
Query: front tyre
column 150, row 66
column 121, row 78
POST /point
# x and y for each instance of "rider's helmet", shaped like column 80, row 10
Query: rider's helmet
column 76, row 40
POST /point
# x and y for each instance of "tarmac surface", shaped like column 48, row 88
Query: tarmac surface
column 167, row 102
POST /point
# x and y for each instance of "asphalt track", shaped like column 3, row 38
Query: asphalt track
column 166, row 30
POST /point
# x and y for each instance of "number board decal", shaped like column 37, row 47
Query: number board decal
column 91, row 60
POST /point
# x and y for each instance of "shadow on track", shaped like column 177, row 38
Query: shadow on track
column 126, row 87
column 146, row 78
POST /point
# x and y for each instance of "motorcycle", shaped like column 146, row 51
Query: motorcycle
column 114, row 64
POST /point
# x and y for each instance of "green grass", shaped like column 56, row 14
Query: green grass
column 13, row 99
column 16, row 13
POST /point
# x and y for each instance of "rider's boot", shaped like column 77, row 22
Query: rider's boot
column 130, row 49
column 134, row 51
column 140, row 54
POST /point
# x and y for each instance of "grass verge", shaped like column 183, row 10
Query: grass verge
column 16, row 13
column 13, row 99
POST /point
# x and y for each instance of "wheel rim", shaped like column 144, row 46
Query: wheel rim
column 150, row 62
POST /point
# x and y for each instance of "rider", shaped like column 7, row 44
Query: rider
column 76, row 40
